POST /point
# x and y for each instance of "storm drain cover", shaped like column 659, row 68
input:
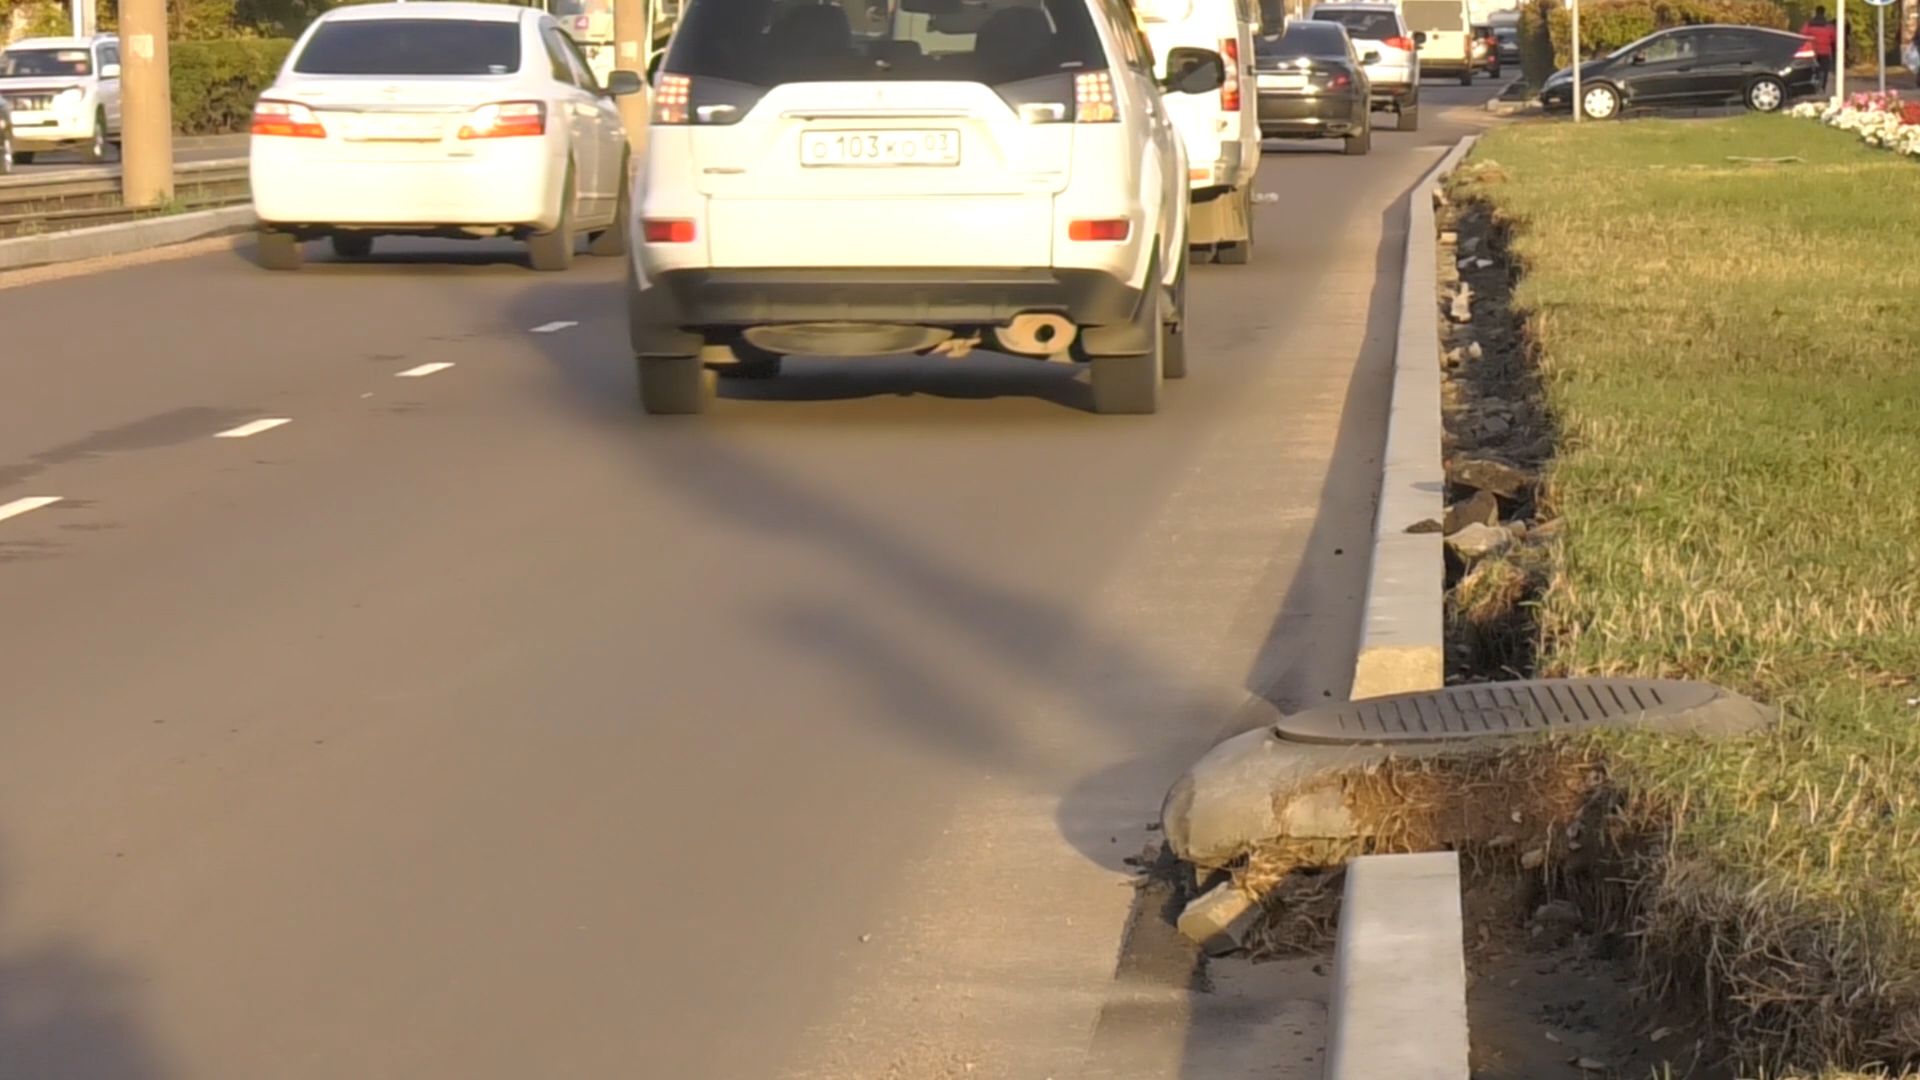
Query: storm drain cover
column 1532, row 707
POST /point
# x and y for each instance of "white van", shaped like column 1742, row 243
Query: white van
column 1444, row 31
column 1221, row 130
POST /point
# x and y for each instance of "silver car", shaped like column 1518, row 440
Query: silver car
column 1379, row 28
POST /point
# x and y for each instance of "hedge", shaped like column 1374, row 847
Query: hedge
column 1605, row 25
column 215, row 82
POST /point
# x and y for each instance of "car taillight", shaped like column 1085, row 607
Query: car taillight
column 580, row 23
column 1230, row 84
column 1339, row 81
column 287, row 118
column 505, row 120
column 1093, row 98
column 1097, row 230
column 1403, row 44
column 671, row 99
column 667, row 230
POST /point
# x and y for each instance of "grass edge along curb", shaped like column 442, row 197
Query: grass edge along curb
column 1740, row 495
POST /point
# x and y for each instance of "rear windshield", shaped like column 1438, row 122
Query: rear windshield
column 1434, row 15
column 1302, row 39
column 411, row 47
column 45, row 63
column 1363, row 25
column 769, row 42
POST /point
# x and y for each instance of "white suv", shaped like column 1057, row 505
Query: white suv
column 64, row 94
column 1222, row 129
column 864, row 179
column 1395, row 77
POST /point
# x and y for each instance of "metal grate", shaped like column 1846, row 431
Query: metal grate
column 1496, row 709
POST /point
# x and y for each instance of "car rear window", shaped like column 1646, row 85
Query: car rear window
column 1430, row 15
column 411, row 47
column 1302, row 39
column 1363, row 25
column 45, row 63
column 770, row 42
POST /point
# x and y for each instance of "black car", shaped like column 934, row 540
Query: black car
column 1506, row 38
column 1692, row 65
column 1313, row 85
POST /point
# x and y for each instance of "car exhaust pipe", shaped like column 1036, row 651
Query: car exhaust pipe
column 1036, row 333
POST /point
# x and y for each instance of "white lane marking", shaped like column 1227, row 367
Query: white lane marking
column 26, row 505
column 423, row 370
column 253, row 427
column 548, row 328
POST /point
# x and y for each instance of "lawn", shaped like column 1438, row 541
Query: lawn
column 1731, row 351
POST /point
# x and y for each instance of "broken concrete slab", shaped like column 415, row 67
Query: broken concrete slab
column 1219, row 919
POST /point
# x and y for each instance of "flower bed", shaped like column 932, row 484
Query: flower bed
column 1882, row 120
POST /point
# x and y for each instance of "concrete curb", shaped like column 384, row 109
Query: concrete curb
column 1398, row 1006
column 1401, row 634
column 124, row 238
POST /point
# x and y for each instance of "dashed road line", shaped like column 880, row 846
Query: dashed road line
column 26, row 505
column 253, row 427
column 423, row 370
column 548, row 328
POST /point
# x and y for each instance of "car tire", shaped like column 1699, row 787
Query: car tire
column 1239, row 252
column 96, row 151
column 6, row 152
column 1130, row 385
column 351, row 245
column 1599, row 102
column 612, row 241
column 551, row 252
column 1766, row 94
column 279, row 251
column 750, row 361
column 673, row 385
column 1358, row 145
column 1173, row 331
column 23, row 157
column 1466, row 77
column 1408, row 119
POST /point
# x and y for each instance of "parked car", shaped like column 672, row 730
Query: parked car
column 1693, row 65
column 966, row 171
column 64, row 94
column 1379, row 28
column 1220, row 129
column 1313, row 85
column 6, row 138
column 448, row 119
column 1444, row 32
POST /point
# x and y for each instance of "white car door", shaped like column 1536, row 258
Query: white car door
column 610, row 132
column 578, row 108
column 107, row 64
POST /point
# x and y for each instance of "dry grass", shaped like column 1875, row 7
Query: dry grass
column 1733, row 355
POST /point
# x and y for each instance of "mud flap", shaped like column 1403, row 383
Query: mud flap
column 1220, row 220
column 650, row 338
column 1135, row 337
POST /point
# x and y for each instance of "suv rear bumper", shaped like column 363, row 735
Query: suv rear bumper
column 669, row 316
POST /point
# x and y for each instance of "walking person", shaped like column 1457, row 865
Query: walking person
column 1821, row 32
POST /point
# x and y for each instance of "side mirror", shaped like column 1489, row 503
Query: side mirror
column 622, row 82
column 110, row 71
column 1419, row 38
column 1370, row 57
column 1194, row 71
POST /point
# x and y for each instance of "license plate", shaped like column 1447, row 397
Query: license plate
column 880, row 148
column 394, row 128
column 1282, row 82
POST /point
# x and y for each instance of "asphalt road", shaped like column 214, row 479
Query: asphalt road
column 472, row 724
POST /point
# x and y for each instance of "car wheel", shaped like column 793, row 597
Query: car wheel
column 750, row 361
column 1600, row 101
column 612, row 240
column 1240, row 252
column 1409, row 119
column 1466, row 77
column 23, row 157
column 279, row 251
column 96, row 151
column 1766, row 94
column 553, row 251
column 1173, row 332
column 1361, row 143
column 1130, row 385
column 673, row 385
column 352, row 245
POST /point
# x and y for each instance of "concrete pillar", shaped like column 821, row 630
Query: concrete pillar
column 146, row 104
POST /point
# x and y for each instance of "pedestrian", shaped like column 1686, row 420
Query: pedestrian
column 1819, row 31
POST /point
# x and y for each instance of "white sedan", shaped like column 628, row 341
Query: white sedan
column 459, row 120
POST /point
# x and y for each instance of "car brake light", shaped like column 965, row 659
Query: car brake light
column 1403, row 44
column 667, row 230
column 286, row 118
column 1093, row 98
column 505, row 120
column 1230, row 83
column 671, row 98
column 1108, row 230
column 1339, row 81
column 580, row 23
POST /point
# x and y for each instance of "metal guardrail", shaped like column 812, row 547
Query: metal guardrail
column 44, row 202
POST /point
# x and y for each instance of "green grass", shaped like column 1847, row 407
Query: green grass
column 1732, row 352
